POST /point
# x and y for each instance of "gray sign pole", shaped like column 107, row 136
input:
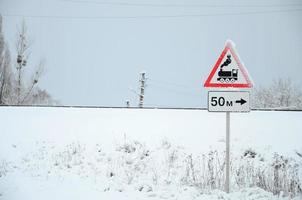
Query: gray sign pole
column 228, row 101
column 235, row 76
column 227, row 156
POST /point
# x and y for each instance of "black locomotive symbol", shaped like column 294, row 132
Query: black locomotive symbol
column 227, row 76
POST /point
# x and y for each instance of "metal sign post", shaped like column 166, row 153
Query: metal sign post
column 227, row 154
column 228, row 73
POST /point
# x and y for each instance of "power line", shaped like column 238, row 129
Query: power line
column 175, row 91
column 149, row 16
column 117, row 3
column 157, row 81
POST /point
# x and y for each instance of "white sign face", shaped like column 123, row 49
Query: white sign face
column 228, row 101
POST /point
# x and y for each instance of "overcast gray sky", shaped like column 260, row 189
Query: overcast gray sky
column 95, row 49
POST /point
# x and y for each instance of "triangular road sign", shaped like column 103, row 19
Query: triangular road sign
column 228, row 72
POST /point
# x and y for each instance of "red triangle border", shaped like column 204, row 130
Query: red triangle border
column 208, row 83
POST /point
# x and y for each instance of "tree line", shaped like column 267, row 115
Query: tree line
column 280, row 94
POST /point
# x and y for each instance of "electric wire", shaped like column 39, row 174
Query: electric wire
column 117, row 3
column 175, row 91
column 157, row 81
column 149, row 16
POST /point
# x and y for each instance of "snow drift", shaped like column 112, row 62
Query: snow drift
column 144, row 153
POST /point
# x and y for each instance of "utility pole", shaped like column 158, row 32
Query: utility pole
column 142, row 89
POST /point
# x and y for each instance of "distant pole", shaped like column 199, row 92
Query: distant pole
column 227, row 156
column 127, row 103
column 142, row 89
column 0, row 23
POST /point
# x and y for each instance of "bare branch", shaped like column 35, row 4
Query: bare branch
column 35, row 78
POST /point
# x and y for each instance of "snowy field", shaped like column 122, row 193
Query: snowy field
column 77, row 153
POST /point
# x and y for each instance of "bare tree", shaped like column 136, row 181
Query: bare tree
column 22, row 46
column 282, row 93
column 19, row 85
column 5, row 70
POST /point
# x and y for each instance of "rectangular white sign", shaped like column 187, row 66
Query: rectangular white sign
column 228, row 101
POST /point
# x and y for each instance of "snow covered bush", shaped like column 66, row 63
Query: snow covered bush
column 4, row 168
column 133, row 165
column 70, row 156
column 280, row 175
column 282, row 93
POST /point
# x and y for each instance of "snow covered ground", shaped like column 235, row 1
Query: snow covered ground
column 77, row 153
